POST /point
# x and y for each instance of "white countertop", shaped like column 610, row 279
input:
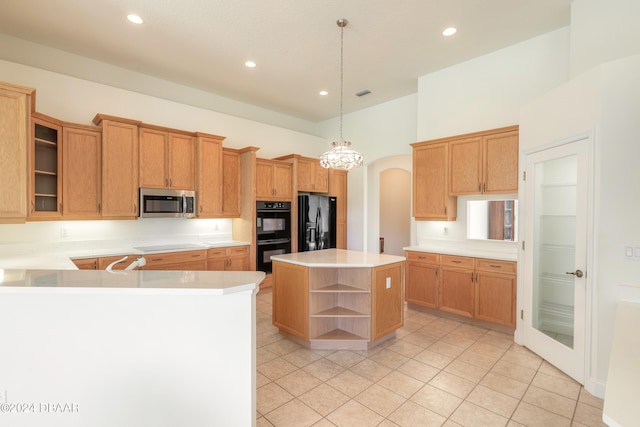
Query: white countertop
column 337, row 258
column 623, row 381
column 509, row 253
column 57, row 256
column 135, row 281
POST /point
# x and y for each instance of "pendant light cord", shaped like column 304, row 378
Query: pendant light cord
column 341, row 23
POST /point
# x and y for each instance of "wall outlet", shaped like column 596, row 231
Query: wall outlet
column 63, row 232
column 388, row 282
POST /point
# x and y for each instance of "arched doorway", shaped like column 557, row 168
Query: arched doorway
column 395, row 210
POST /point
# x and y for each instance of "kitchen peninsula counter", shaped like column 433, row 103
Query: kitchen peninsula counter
column 156, row 348
column 338, row 299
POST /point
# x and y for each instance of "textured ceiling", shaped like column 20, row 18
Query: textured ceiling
column 296, row 43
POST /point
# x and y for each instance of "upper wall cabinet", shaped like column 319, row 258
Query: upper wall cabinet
column 119, row 167
column 431, row 199
column 81, row 172
column 231, row 183
column 311, row 176
column 15, row 110
column 484, row 162
column 46, row 167
column 209, row 175
column 273, row 180
column 166, row 159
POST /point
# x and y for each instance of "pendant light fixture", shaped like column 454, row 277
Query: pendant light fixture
column 341, row 156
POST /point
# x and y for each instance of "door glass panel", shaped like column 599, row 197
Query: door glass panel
column 554, row 231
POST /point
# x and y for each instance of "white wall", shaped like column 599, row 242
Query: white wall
column 602, row 31
column 487, row 92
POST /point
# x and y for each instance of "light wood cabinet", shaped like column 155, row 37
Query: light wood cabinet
column 496, row 291
column 209, row 175
column 387, row 299
column 291, row 299
column 86, row 263
column 81, row 172
column 15, row 110
column 46, row 167
column 338, row 189
column 231, row 183
column 431, row 199
column 166, row 159
column 311, row 176
column 185, row 260
column 457, row 290
column 119, row 167
column 484, row 163
column 273, row 180
column 481, row 288
column 105, row 261
column 422, row 280
column 232, row 258
column 338, row 308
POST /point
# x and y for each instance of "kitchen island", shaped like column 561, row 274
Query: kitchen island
column 136, row 348
column 337, row 299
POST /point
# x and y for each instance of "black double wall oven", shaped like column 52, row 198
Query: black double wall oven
column 273, row 232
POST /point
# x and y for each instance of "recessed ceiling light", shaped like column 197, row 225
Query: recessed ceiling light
column 135, row 19
column 449, row 31
column 324, row 93
column 250, row 64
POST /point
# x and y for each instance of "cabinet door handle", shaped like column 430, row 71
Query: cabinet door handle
column 33, row 206
column 472, row 278
column 479, row 187
column 200, row 208
column 100, row 208
column 61, row 211
column 456, row 261
column 421, row 257
column 495, row 266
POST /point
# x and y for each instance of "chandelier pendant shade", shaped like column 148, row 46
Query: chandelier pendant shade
column 341, row 155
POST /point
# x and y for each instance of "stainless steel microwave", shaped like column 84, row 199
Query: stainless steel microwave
column 161, row 203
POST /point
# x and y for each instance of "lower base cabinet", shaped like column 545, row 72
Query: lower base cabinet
column 479, row 288
column 457, row 285
column 422, row 278
column 186, row 260
column 232, row 258
column 496, row 291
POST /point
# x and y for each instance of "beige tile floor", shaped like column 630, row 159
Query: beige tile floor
column 436, row 372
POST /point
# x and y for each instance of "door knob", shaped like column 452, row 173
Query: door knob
column 577, row 273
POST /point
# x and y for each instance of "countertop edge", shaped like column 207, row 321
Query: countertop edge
column 474, row 253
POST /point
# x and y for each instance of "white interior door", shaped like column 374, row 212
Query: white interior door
column 556, row 236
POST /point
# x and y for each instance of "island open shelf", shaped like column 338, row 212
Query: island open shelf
column 336, row 299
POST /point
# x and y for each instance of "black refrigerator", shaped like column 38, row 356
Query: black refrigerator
column 316, row 222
